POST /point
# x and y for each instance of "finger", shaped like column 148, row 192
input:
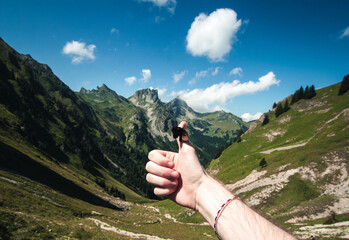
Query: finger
column 161, row 182
column 160, row 171
column 162, row 158
column 161, row 192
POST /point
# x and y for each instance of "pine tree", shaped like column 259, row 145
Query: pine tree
column 274, row 105
column 279, row 110
column 263, row 163
column 293, row 99
column 344, row 85
column 265, row 120
column 306, row 92
column 310, row 92
column 301, row 93
column 286, row 107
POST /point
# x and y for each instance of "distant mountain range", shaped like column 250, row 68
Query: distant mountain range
column 145, row 122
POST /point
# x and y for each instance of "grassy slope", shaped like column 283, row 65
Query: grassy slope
column 322, row 122
column 241, row 158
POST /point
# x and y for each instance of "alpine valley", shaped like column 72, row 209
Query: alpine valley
column 72, row 164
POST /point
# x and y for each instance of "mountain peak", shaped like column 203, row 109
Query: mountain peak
column 102, row 89
column 144, row 96
column 104, row 93
column 181, row 109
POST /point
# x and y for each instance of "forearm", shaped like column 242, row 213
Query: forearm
column 237, row 220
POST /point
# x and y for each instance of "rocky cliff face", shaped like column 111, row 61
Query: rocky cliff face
column 160, row 116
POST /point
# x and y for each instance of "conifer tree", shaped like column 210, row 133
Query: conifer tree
column 300, row 93
column 306, row 91
column 279, row 110
column 344, row 85
column 286, row 107
column 293, row 99
column 263, row 163
column 274, row 105
column 265, row 120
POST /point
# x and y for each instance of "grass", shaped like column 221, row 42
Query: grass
column 324, row 128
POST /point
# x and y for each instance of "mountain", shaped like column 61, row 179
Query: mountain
column 295, row 167
column 40, row 115
column 146, row 122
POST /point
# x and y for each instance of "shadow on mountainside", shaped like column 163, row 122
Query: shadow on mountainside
column 14, row 160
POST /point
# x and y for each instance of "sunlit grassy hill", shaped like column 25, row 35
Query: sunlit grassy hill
column 305, row 174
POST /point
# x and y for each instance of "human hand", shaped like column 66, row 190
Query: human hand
column 176, row 175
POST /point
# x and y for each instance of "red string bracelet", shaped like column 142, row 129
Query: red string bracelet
column 219, row 213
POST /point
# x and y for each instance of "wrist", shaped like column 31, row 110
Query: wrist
column 210, row 196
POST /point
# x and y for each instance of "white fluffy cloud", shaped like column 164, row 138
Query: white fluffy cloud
column 146, row 73
column 236, row 71
column 178, row 76
column 169, row 4
column 249, row 117
column 213, row 35
column 162, row 92
column 345, row 33
column 130, row 80
column 217, row 95
column 79, row 51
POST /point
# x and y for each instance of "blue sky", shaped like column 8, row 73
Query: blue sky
column 240, row 56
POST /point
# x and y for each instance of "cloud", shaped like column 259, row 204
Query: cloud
column 216, row 71
column 146, row 73
column 247, row 117
column 213, row 35
column 217, row 95
column 203, row 73
column 161, row 92
column 236, row 71
column 178, row 76
column 79, row 51
column 169, row 4
column 130, row 80
column 114, row 30
column 345, row 33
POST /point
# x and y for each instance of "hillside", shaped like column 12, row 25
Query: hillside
column 42, row 117
column 304, row 179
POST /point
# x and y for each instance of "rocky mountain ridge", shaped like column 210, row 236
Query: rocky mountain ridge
column 146, row 121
